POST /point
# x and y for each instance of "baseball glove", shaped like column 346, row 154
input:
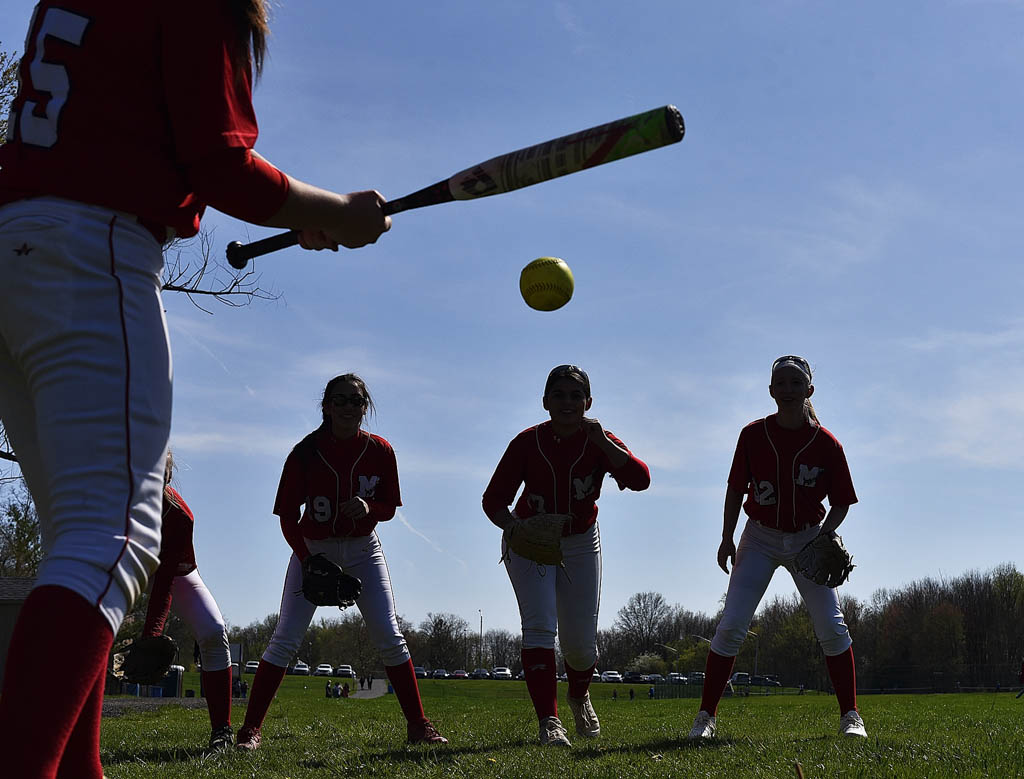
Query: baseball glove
column 538, row 538
column 148, row 659
column 325, row 584
column 824, row 560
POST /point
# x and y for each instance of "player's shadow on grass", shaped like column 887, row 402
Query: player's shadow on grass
column 584, row 751
column 167, row 755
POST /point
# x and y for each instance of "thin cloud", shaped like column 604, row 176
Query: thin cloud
column 430, row 542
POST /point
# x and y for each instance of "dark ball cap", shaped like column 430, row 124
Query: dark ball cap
column 573, row 372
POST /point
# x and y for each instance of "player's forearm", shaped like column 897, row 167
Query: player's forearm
column 731, row 512
column 501, row 517
column 835, row 517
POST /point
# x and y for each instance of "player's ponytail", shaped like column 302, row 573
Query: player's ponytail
column 812, row 418
column 252, row 28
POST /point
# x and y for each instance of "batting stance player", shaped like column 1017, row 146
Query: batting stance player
column 562, row 464
column 344, row 481
column 177, row 578
column 118, row 139
column 786, row 464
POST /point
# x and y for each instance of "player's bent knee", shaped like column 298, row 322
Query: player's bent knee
column 728, row 640
column 836, row 644
column 578, row 659
column 538, row 639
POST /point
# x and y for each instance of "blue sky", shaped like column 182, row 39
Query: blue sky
column 848, row 189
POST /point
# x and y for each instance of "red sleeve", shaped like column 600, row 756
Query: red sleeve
column 840, row 488
column 209, row 100
column 634, row 473
column 291, row 497
column 239, row 184
column 175, row 548
column 739, row 474
column 507, row 478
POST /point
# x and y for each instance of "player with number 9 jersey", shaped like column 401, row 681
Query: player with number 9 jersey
column 344, row 481
column 129, row 120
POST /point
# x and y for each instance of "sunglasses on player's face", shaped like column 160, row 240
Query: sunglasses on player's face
column 792, row 358
column 340, row 401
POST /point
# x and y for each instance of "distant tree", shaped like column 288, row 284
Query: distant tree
column 20, row 544
column 644, row 621
column 8, row 86
column 446, row 639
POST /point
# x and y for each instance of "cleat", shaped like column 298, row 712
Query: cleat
column 248, row 738
column 552, row 733
column 704, row 727
column 221, row 738
column 587, row 724
column 851, row 724
column 424, row 732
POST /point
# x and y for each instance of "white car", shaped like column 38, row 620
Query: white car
column 345, row 671
column 501, row 672
column 251, row 666
column 324, row 669
column 300, row 669
column 611, row 676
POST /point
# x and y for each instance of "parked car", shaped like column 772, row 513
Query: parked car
column 563, row 677
column 611, row 676
column 501, row 672
column 439, row 673
column 521, row 675
column 695, row 677
column 596, row 677
column 324, row 669
column 480, row 673
column 420, row 671
column 251, row 666
column 633, row 677
column 740, row 678
column 765, row 681
column 676, row 678
column 458, row 674
column 300, row 669
column 655, row 679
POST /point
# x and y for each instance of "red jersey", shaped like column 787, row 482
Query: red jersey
column 561, row 476
column 123, row 103
column 177, row 558
column 322, row 472
column 789, row 473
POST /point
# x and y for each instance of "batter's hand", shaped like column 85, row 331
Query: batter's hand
column 726, row 552
column 354, row 509
column 360, row 220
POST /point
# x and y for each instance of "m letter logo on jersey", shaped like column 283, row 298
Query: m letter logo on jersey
column 808, row 476
column 368, row 486
column 583, row 487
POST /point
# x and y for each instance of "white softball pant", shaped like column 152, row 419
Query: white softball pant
column 194, row 603
column 85, row 391
column 363, row 558
column 760, row 552
column 566, row 602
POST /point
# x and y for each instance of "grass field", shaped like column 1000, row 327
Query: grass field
column 492, row 732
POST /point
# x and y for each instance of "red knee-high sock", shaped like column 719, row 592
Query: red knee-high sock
column 579, row 681
column 217, row 685
column 843, row 674
column 407, row 690
column 264, row 688
column 39, row 708
column 81, row 758
column 717, row 671
column 541, row 681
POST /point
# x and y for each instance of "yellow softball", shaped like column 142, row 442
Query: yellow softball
column 546, row 283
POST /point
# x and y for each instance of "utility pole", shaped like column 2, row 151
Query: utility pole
column 481, row 655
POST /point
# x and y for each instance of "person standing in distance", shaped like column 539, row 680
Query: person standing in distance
column 343, row 481
column 177, row 578
column 562, row 464
column 786, row 464
column 119, row 137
